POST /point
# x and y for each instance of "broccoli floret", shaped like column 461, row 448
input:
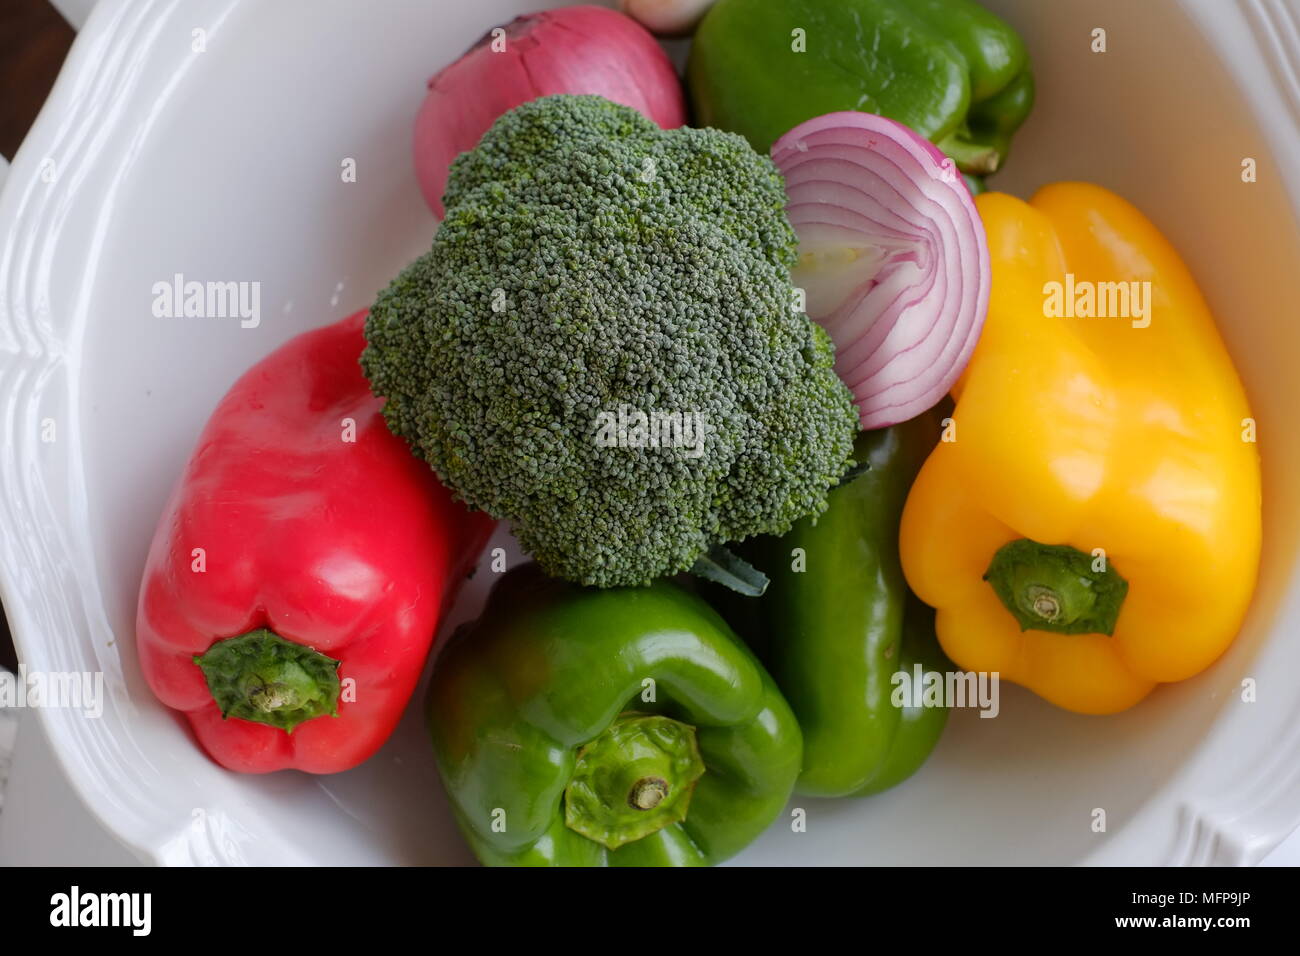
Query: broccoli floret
column 591, row 262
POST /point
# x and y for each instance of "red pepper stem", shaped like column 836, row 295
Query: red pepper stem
column 262, row 677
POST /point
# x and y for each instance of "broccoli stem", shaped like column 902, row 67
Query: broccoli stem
column 722, row 566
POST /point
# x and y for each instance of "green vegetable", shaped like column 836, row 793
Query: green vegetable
column 1055, row 587
column 620, row 727
column 262, row 677
column 949, row 69
column 838, row 622
column 592, row 265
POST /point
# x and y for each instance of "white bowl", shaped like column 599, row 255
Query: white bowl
column 225, row 165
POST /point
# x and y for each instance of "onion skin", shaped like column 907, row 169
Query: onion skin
column 893, row 258
column 667, row 18
column 582, row 49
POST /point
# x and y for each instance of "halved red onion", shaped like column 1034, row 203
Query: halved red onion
column 893, row 258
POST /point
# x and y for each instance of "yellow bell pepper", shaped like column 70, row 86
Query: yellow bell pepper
column 1090, row 526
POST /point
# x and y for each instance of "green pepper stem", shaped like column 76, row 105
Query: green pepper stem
column 978, row 159
column 262, row 677
column 647, row 793
column 633, row 780
column 1057, row 588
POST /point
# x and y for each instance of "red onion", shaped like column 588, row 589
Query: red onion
column 570, row 50
column 893, row 258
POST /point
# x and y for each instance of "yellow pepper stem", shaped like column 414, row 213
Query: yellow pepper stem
column 1054, row 587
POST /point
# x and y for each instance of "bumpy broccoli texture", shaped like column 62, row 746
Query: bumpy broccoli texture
column 588, row 261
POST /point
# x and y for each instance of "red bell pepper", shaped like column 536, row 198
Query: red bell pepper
column 298, row 573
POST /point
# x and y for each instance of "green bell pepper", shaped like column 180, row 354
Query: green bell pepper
column 949, row 69
column 838, row 622
column 607, row 727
